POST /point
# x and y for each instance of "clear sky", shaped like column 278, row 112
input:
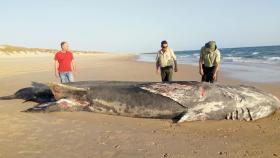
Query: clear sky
column 139, row 26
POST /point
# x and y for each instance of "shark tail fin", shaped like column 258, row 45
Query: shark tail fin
column 8, row 97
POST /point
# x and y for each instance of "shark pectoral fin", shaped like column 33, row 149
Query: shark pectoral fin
column 60, row 105
column 65, row 91
column 191, row 115
column 29, row 100
column 46, row 107
column 178, row 117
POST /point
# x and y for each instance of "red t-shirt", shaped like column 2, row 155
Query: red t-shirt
column 64, row 60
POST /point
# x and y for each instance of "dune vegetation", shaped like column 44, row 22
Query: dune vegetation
column 16, row 50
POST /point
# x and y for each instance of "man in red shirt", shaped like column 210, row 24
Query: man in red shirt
column 64, row 64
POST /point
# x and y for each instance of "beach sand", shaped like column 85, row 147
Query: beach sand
column 84, row 134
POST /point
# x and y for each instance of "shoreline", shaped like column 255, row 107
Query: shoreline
column 259, row 66
column 224, row 78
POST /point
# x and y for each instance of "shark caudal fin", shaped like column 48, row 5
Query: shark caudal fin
column 38, row 92
column 65, row 91
column 10, row 97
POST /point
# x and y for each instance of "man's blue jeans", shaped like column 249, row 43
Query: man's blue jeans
column 66, row 77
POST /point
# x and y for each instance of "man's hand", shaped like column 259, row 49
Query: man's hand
column 201, row 72
column 176, row 69
column 215, row 76
column 175, row 66
column 74, row 73
column 157, row 71
column 56, row 75
column 56, row 69
column 216, row 72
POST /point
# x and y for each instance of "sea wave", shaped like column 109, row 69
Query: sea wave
column 263, row 60
column 255, row 53
column 273, row 58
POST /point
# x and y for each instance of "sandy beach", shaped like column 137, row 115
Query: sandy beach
column 83, row 134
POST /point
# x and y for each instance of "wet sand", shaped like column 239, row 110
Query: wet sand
column 83, row 134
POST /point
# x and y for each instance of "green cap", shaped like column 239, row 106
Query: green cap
column 211, row 45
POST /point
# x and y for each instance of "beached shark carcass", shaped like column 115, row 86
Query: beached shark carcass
column 180, row 101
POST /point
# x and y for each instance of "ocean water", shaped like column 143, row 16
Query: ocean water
column 255, row 64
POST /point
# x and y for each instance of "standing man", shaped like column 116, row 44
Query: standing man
column 166, row 62
column 209, row 62
column 64, row 64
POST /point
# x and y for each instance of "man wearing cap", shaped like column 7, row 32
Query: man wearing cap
column 209, row 62
column 166, row 62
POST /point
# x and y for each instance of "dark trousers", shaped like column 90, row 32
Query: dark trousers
column 208, row 74
column 166, row 73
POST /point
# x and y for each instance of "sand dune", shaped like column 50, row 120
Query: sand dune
column 8, row 50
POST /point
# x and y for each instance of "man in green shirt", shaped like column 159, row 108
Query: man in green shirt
column 209, row 62
column 166, row 62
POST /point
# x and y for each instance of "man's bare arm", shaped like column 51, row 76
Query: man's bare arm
column 216, row 71
column 73, row 65
column 217, row 68
column 55, row 68
column 157, row 66
column 200, row 66
column 176, row 66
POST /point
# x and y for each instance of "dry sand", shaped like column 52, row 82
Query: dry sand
column 83, row 134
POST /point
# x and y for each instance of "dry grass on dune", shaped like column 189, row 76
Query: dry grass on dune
column 15, row 50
